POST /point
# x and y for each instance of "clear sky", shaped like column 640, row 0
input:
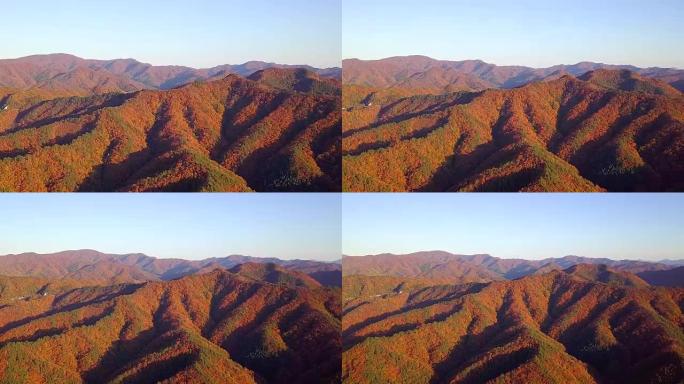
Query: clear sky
column 531, row 226
column 536, row 33
column 197, row 33
column 190, row 226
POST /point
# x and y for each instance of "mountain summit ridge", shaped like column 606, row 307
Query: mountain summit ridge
column 32, row 71
column 107, row 269
column 391, row 71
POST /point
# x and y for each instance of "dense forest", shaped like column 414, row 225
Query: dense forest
column 606, row 130
column 278, row 130
column 585, row 324
column 253, row 323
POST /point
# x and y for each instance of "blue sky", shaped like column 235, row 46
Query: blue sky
column 198, row 33
column 190, row 226
column 537, row 33
column 531, row 226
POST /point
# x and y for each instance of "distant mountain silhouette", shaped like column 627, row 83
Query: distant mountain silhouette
column 395, row 71
column 237, row 326
column 445, row 267
column 58, row 71
column 107, row 269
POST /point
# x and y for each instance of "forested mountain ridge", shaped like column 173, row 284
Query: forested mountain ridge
column 479, row 268
column 424, row 72
column 60, row 70
column 231, row 134
column 607, row 130
column 106, row 269
column 586, row 324
column 253, row 324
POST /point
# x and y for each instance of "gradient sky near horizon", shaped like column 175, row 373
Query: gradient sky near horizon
column 537, row 33
column 531, row 226
column 199, row 33
column 188, row 226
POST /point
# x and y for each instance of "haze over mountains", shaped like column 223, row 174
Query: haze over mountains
column 70, row 73
column 416, row 124
column 424, row 72
column 277, row 130
column 435, row 317
column 480, row 268
column 222, row 326
column 110, row 269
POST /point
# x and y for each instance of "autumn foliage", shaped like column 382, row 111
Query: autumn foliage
column 232, row 134
column 253, row 324
column 606, row 131
column 587, row 324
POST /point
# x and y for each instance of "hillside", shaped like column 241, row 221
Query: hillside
column 558, row 327
column 606, row 131
column 232, row 134
column 211, row 328
column 99, row 268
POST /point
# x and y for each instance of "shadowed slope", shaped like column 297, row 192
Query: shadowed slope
column 667, row 278
column 300, row 80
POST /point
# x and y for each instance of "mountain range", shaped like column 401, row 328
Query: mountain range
column 74, row 75
column 475, row 75
column 110, row 269
column 277, row 130
column 602, row 130
column 89, row 317
column 435, row 317
column 480, row 268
